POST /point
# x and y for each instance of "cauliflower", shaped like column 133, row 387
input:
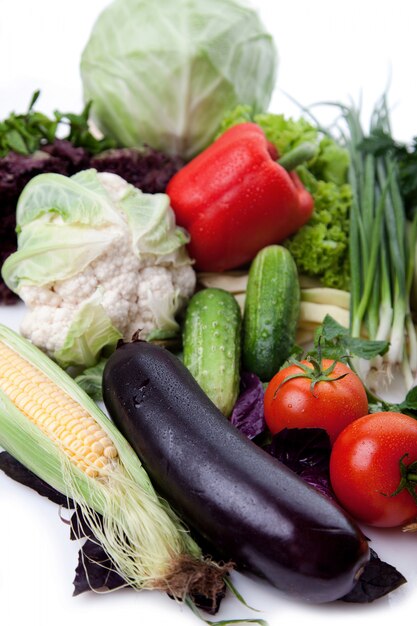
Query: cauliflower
column 138, row 279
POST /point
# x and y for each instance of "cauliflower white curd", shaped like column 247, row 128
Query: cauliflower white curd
column 138, row 279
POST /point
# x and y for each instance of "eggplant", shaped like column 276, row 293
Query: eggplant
column 247, row 505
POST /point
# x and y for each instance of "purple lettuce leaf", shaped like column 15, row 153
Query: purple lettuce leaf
column 18, row 472
column 94, row 570
column 377, row 579
column 248, row 412
column 306, row 451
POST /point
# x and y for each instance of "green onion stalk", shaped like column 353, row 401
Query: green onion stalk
column 382, row 252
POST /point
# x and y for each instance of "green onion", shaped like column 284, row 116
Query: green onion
column 381, row 249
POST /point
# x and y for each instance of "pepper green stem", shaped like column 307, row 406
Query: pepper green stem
column 297, row 156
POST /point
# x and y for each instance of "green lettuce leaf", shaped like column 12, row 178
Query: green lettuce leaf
column 321, row 247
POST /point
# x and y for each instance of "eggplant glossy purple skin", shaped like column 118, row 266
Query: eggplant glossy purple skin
column 246, row 504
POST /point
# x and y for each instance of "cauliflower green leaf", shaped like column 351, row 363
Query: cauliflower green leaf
column 48, row 252
column 65, row 223
column 90, row 333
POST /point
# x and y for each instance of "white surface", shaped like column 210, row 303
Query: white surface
column 328, row 51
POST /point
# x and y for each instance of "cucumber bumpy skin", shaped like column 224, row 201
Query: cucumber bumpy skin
column 272, row 308
column 212, row 345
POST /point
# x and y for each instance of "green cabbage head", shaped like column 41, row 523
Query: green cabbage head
column 165, row 72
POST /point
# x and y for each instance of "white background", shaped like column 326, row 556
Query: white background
column 328, row 51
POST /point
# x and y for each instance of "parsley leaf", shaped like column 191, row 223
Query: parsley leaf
column 26, row 133
column 333, row 341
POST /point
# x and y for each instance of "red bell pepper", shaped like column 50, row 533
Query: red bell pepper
column 234, row 199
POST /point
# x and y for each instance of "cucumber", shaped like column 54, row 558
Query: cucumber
column 211, row 345
column 271, row 312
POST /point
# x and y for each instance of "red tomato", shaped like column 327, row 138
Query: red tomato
column 331, row 405
column 365, row 468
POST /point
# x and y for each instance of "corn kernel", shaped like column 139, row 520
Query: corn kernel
column 58, row 415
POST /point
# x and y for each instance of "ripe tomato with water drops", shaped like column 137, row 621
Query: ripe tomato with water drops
column 308, row 394
column 373, row 469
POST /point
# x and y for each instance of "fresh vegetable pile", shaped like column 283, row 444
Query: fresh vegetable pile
column 234, row 285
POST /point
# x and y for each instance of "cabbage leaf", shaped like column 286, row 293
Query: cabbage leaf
column 165, row 73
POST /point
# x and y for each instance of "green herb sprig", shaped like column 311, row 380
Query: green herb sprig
column 25, row 133
column 380, row 143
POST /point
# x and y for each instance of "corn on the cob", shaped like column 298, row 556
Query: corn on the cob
column 62, row 419
column 53, row 428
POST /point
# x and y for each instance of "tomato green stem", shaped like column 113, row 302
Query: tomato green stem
column 316, row 374
column 408, row 478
